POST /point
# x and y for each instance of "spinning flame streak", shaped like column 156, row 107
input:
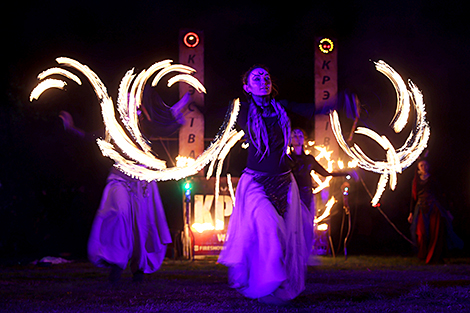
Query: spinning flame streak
column 137, row 154
column 399, row 159
column 136, row 159
column 327, row 211
column 322, row 184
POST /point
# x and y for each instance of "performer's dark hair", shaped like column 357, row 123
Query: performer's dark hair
column 414, row 186
column 257, row 131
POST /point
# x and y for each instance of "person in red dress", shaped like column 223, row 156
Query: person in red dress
column 431, row 222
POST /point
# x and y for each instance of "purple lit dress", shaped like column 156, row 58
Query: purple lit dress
column 265, row 248
column 130, row 225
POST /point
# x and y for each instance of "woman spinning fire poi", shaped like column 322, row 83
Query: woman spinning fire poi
column 266, row 251
column 130, row 225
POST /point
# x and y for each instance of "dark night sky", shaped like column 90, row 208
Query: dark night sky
column 426, row 41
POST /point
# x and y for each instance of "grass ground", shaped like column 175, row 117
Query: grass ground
column 358, row 284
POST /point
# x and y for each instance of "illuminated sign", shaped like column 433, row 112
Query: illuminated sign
column 210, row 212
column 191, row 134
column 191, row 40
column 326, row 88
column 326, row 45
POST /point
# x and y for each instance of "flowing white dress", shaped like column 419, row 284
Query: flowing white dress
column 130, row 225
column 266, row 253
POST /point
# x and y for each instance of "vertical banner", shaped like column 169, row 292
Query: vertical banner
column 191, row 134
column 326, row 89
column 191, row 53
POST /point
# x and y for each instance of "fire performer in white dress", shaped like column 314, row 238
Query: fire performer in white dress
column 265, row 249
column 130, row 225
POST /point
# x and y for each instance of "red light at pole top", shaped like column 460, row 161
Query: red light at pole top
column 191, row 40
